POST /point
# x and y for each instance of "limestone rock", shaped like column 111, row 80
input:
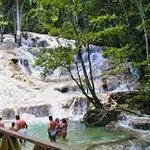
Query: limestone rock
column 8, row 113
column 122, row 97
column 38, row 111
column 100, row 117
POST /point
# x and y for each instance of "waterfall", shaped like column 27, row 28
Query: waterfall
column 32, row 93
column 78, row 108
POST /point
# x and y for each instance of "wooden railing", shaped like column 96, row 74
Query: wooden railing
column 9, row 141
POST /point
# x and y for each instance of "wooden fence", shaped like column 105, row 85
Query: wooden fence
column 9, row 141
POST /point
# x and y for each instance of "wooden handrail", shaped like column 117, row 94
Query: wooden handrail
column 42, row 143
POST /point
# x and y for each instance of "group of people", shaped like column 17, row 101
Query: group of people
column 19, row 126
column 57, row 128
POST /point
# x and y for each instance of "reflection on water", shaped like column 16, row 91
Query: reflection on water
column 78, row 136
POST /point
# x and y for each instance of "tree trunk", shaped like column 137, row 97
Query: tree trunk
column 88, row 80
column 18, row 19
column 142, row 15
column 1, row 34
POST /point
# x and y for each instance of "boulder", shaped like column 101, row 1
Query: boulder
column 32, row 42
column 122, row 97
column 42, row 43
column 100, row 117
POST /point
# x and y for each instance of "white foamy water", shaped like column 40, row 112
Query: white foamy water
column 28, row 91
column 14, row 93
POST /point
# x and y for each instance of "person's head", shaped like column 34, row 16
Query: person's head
column 50, row 118
column 17, row 117
column 0, row 118
column 57, row 120
column 64, row 121
column 13, row 124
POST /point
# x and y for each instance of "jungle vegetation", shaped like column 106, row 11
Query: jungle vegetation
column 121, row 26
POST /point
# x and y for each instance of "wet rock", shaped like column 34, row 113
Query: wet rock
column 111, row 125
column 25, row 35
column 38, row 111
column 123, row 144
column 122, row 97
column 62, row 89
column 33, row 42
column 107, row 83
column 100, row 117
column 14, row 60
column 142, row 123
column 42, row 43
column 8, row 113
column 142, row 126
column 68, row 104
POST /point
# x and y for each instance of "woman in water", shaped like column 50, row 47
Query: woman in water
column 63, row 129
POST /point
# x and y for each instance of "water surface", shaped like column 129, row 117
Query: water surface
column 78, row 136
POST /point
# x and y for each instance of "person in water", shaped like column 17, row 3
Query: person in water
column 12, row 126
column 63, row 129
column 14, row 139
column 52, row 129
column 21, row 126
column 1, row 125
column 57, row 126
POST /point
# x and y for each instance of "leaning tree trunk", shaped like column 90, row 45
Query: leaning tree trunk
column 88, row 80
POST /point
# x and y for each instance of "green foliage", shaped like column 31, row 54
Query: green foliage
column 142, row 100
column 113, row 31
column 121, row 26
column 117, row 69
column 145, row 24
column 101, row 22
column 2, row 21
column 117, row 54
column 67, row 31
column 51, row 59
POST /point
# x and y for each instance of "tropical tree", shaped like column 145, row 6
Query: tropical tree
column 18, row 5
column 85, row 31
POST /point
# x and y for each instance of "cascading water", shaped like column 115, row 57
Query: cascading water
column 31, row 95
column 33, row 98
column 32, row 44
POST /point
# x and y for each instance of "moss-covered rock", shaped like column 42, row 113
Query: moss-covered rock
column 100, row 117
